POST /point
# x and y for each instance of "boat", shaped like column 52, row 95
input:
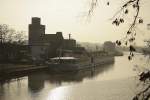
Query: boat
column 70, row 63
column 63, row 64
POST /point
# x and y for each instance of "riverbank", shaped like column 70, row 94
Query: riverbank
column 10, row 70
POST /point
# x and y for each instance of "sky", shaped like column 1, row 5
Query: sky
column 69, row 16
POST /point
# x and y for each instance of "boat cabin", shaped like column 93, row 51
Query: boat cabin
column 64, row 60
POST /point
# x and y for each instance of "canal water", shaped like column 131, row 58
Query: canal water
column 108, row 82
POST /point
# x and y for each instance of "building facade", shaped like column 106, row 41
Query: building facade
column 43, row 45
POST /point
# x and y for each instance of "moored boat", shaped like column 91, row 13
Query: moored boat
column 65, row 64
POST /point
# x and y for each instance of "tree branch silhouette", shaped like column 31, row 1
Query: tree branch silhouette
column 129, row 38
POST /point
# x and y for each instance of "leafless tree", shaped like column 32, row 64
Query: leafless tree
column 10, row 39
column 9, row 35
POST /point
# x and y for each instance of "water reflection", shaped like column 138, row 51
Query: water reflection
column 36, row 81
column 79, row 75
column 38, row 85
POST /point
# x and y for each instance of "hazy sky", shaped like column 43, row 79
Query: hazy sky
column 68, row 16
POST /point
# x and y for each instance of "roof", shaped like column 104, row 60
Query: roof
column 64, row 58
column 51, row 37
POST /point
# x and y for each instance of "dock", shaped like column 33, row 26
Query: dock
column 97, row 63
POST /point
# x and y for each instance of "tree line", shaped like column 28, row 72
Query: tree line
column 11, row 44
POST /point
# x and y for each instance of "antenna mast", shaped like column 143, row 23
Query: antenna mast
column 69, row 36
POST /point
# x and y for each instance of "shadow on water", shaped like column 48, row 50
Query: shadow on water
column 36, row 81
column 79, row 75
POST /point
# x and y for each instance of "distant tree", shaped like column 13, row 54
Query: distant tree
column 9, row 35
column 10, row 39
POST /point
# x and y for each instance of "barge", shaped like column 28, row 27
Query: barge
column 66, row 64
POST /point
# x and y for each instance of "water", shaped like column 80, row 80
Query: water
column 109, row 82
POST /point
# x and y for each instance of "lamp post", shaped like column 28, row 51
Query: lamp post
column 69, row 36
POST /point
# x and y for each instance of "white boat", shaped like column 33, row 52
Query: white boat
column 63, row 64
